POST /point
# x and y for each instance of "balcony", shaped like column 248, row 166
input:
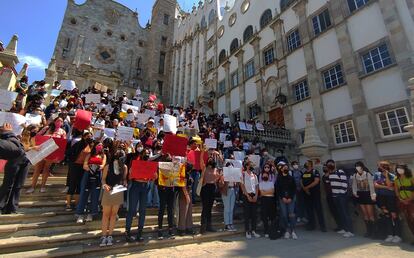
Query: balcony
column 269, row 135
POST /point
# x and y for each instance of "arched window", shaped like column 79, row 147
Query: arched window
column 234, row 45
column 222, row 56
column 248, row 33
column 211, row 16
column 266, row 18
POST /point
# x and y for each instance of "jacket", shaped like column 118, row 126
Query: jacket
column 10, row 147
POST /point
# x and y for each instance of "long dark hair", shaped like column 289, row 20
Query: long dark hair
column 407, row 171
column 52, row 126
column 93, row 151
column 361, row 164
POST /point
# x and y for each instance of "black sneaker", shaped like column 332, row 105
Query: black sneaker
column 180, row 232
column 139, row 236
column 190, row 232
column 129, row 238
column 171, row 233
column 160, row 236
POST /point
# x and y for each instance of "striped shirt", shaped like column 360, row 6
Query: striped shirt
column 339, row 183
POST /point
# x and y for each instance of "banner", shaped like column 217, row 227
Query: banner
column 211, row 143
column 32, row 119
column 93, row 98
column 125, row 133
column 232, row 174
column 143, row 170
column 255, row 159
column 59, row 154
column 171, row 174
column 82, row 119
column 175, row 145
column 17, row 121
column 239, row 155
column 6, row 99
column 67, row 85
column 47, row 148
column 170, row 124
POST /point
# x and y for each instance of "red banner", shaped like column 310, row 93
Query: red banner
column 175, row 145
column 59, row 154
column 82, row 119
column 143, row 170
column 194, row 158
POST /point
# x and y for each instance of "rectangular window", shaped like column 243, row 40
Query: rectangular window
column 344, row 132
column 301, row 90
column 356, row 4
column 333, row 77
column 160, row 87
column 376, row 58
column 293, row 40
column 235, row 79
column 236, row 116
column 222, row 87
column 269, row 56
column 162, row 63
column 166, row 19
column 321, row 22
column 249, row 70
column 392, row 122
column 210, row 65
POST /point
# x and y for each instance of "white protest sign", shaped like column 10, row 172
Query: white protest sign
column 109, row 133
column 170, row 124
column 32, row 119
column 239, row 155
column 249, row 127
column 55, row 93
column 234, row 163
column 137, row 103
column 211, row 143
column 226, row 120
column 125, row 108
column 93, row 98
column 223, row 137
column 6, row 99
column 242, row 126
column 246, row 146
column 232, row 174
column 142, row 118
column 67, row 85
column 151, row 113
column 125, row 133
column 46, row 148
column 255, row 159
column 17, row 121
column 227, row 144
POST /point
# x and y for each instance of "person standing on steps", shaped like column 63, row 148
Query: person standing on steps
column 267, row 198
column 114, row 174
column 15, row 169
column 364, row 192
column 250, row 189
column 329, row 199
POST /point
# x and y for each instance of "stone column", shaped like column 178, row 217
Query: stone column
column 258, row 64
column 410, row 126
column 173, row 73
column 226, row 66
column 9, row 59
column 197, row 69
column 239, row 54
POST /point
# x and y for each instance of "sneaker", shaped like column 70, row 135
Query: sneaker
column 255, row 235
column 341, row 232
column 171, row 233
column 43, row 190
column 294, row 236
column 160, row 236
column 109, row 241
column 232, row 228
column 129, row 238
column 287, row 235
column 30, row 190
column 248, row 235
column 103, row 241
column 266, row 235
column 396, row 239
column 65, row 190
column 348, row 235
column 298, row 220
column 89, row 218
column 227, row 228
column 80, row 220
column 389, row 239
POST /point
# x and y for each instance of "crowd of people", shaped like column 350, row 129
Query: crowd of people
column 100, row 167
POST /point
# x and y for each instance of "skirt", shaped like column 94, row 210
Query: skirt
column 112, row 200
column 364, row 198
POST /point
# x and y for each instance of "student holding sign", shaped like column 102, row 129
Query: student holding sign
column 228, row 195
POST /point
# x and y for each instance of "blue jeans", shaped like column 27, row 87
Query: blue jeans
column 89, row 187
column 287, row 213
column 341, row 204
column 153, row 199
column 228, row 202
column 195, row 175
column 137, row 196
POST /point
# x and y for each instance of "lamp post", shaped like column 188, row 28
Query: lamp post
column 410, row 127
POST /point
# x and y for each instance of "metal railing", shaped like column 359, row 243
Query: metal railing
column 274, row 135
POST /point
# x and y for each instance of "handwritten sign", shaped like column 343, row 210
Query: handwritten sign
column 59, row 154
column 93, row 98
column 142, row 118
column 17, row 121
column 125, row 133
column 255, row 159
column 32, row 119
column 239, row 155
column 242, row 126
column 211, row 143
column 227, row 144
column 67, row 85
column 6, row 99
column 234, row 163
column 109, row 133
column 170, row 124
column 232, row 174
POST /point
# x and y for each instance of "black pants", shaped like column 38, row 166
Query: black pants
column 207, row 201
column 334, row 212
column 313, row 204
column 250, row 215
column 75, row 174
column 268, row 212
column 167, row 197
column 15, row 173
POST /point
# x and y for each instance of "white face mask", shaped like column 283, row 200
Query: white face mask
column 400, row 171
column 295, row 166
column 359, row 169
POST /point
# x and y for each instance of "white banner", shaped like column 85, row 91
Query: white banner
column 17, row 121
column 234, row 163
column 125, row 133
column 170, row 124
column 232, row 174
column 46, row 148
column 6, row 99
column 67, row 85
column 211, row 143
column 142, row 118
column 223, row 137
column 93, row 98
column 227, row 144
column 239, row 155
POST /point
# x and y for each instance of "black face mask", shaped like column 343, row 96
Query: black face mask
column 265, row 178
column 32, row 134
column 89, row 140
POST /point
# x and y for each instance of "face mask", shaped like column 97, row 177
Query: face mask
column 265, row 178
column 99, row 148
column 359, row 169
column 295, row 166
column 140, row 149
column 400, row 171
column 58, row 124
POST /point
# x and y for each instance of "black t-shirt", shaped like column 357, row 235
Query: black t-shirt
column 309, row 176
column 113, row 179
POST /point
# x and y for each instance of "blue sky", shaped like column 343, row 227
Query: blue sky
column 37, row 23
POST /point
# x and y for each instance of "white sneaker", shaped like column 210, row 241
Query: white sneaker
column 348, row 234
column 89, row 218
column 341, row 232
column 248, row 235
column 65, row 190
column 298, row 220
column 109, row 241
column 30, row 190
column 232, row 229
column 287, row 235
column 255, row 235
column 80, row 220
column 266, row 235
column 389, row 239
column 294, row 236
column 104, row 241
column 43, row 190
column 396, row 239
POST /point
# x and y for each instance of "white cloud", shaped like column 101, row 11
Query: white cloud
column 33, row 61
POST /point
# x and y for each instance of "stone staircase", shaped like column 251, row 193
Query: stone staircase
column 43, row 228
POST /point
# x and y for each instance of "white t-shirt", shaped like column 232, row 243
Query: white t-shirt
column 266, row 186
column 250, row 182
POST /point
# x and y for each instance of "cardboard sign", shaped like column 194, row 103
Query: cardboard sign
column 17, row 121
column 143, row 170
column 67, row 85
column 59, row 154
column 93, row 98
column 175, row 145
column 170, row 124
column 223, row 137
column 124, row 133
column 171, row 174
column 211, row 143
column 6, row 99
column 82, row 119
column 100, row 87
column 239, row 155
column 232, row 174
column 255, row 159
